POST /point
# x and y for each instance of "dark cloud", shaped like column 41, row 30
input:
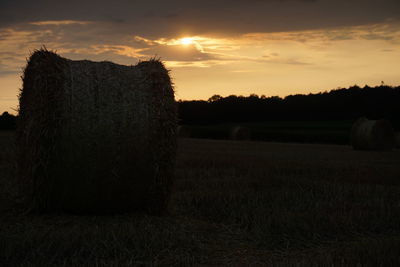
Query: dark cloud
column 155, row 18
column 374, row 36
column 7, row 70
column 276, row 58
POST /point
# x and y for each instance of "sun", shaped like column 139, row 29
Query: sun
column 187, row 41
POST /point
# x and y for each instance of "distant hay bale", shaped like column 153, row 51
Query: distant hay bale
column 95, row 137
column 398, row 139
column 183, row 131
column 372, row 135
column 240, row 133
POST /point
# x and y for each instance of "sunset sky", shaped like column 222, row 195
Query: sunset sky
column 270, row 47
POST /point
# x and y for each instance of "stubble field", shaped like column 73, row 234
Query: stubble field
column 234, row 203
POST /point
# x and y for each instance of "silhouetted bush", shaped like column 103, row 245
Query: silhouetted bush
column 7, row 121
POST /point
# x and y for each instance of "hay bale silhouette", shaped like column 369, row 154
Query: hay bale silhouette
column 95, row 137
column 372, row 135
column 397, row 137
column 240, row 133
column 183, row 131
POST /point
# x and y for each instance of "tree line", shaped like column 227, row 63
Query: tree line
column 339, row 104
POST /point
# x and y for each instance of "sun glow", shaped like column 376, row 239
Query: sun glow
column 187, row 41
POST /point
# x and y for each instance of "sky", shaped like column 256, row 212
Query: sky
column 266, row 47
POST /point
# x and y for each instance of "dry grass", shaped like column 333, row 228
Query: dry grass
column 236, row 204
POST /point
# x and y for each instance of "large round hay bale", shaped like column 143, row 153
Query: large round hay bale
column 240, row 133
column 95, row 137
column 372, row 135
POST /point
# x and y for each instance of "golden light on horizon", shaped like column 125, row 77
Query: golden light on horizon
column 187, row 41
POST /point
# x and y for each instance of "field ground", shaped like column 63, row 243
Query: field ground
column 324, row 132
column 235, row 204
